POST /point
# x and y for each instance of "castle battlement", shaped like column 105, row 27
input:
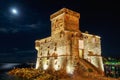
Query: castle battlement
column 67, row 11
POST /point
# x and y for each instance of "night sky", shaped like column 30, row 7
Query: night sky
column 32, row 21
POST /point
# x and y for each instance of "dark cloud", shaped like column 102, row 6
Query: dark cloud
column 25, row 51
column 3, row 30
column 18, row 56
column 20, row 28
column 8, row 30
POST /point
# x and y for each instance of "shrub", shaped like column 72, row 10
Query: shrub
column 90, row 70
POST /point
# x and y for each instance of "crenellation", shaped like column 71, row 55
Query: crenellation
column 67, row 11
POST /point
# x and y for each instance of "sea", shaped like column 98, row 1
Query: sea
column 5, row 67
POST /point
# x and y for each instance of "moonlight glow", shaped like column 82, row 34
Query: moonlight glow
column 14, row 11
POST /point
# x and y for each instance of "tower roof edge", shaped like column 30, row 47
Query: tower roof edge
column 65, row 10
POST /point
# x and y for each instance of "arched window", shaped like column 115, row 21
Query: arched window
column 55, row 55
column 55, row 48
column 62, row 34
column 81, row 36
column 41, row 53
column 48, row 46
column 55, row 43
column 47, row 57
column 72, row 35
column 48, row 53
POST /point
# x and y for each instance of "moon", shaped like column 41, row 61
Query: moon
column 14, row 11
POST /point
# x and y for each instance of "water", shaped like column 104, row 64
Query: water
column 4, row 76
column 5, row 67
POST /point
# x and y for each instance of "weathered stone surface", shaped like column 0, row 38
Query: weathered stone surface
column 67, row 45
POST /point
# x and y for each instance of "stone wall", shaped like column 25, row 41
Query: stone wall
column 66, row 45
column 92, row 50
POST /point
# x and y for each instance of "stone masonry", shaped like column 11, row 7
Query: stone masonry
column 67, row 44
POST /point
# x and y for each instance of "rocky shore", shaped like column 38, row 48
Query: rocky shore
column 34, row 74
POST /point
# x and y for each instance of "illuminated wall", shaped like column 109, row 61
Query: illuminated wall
column 92, row 49
column 67, row 44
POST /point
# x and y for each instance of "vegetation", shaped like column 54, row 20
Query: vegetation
column 34, row 74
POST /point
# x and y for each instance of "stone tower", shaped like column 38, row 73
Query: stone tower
column 67, row 46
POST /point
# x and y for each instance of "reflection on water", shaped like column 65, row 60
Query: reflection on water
column 8, row 65
column 5, row 67
column 4, row 76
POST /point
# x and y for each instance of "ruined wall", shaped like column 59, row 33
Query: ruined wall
column 92, row 45
column 92, row 50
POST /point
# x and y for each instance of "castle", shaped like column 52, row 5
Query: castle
column 67, row 46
